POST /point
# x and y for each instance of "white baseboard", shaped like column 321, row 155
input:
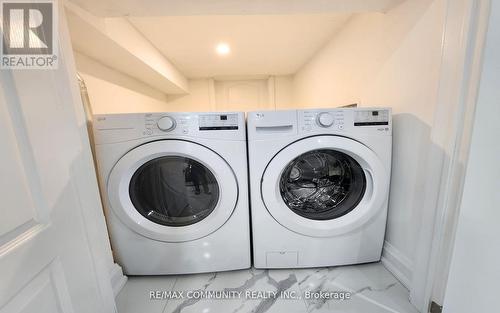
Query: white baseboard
column 398, row 264
column 118, row 280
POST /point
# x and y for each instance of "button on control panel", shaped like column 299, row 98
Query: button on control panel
column 149, row 125
column 309, row 121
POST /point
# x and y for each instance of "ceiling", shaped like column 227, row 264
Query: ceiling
column 108, row 8
column 267, row 37
column 260, row 44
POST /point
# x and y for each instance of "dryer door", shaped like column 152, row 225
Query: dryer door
column 324, row 186
column 172, row 190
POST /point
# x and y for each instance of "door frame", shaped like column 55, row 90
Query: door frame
column 463, row 39
column 462, row 48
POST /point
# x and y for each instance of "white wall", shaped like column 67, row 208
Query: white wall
column 474, row 273
column 283, row 92
column 235, row 94
column 244, row 95
column 113, row 92
column 390, row 59
column 199, row 98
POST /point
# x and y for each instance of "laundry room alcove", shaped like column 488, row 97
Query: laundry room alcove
column 221, row 56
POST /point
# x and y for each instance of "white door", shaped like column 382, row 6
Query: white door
column 474, row 272
column 47, row 263
column 243, row 95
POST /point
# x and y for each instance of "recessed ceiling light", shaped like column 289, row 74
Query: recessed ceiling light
column 223, row 49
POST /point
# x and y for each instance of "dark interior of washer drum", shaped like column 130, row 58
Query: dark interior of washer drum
column 174, row 191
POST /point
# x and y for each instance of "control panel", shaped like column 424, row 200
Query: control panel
column 187, row 123
column 218, row 121
column 345, row 120
column 119, row 127
column 371, row 117
column 311, row 122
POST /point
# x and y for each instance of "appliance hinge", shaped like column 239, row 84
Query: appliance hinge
column 435, row 308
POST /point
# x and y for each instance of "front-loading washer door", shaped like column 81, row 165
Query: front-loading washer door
column 324, row 186
column 172, row 190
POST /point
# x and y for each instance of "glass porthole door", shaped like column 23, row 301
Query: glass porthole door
column 172, row 190
column 323, row 186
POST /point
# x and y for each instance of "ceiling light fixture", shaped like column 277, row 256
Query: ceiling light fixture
column 223, row 49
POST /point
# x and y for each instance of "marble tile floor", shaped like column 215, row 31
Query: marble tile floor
column 367, row 288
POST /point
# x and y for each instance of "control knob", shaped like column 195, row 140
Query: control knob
column 166, row 123
column 325, row 119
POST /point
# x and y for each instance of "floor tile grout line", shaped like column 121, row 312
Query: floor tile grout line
column 295, row 272
column 171, row 289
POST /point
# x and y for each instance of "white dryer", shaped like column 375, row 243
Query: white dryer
column 175, row 191
column 319, row 183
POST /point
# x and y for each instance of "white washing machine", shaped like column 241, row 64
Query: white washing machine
column 319, row 183
column 175, row 191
